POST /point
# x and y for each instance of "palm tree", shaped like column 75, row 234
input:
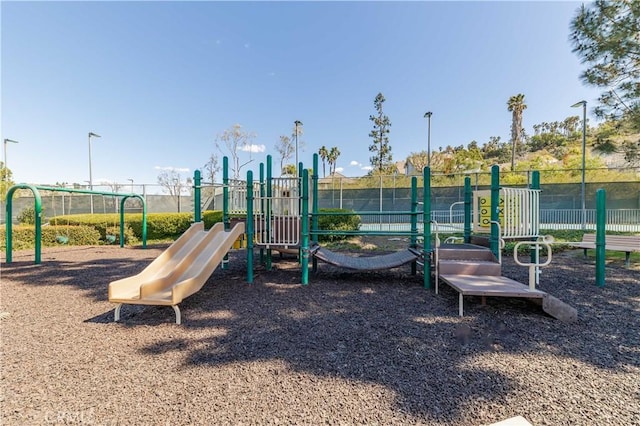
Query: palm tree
column 324, row 154
column 516, row 105
column 332, row 159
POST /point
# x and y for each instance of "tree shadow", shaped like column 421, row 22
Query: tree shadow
column 378, row 328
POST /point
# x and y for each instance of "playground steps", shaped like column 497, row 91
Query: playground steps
column 473, row 270
column 467, row 259
column 497, row 286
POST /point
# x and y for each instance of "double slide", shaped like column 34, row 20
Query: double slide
column 180, row 271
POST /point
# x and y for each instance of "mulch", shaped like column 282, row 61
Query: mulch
column 349, row 348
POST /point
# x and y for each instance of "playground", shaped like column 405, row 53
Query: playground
column 352, row 347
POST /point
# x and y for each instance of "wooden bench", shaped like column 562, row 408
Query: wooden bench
column 625, row 243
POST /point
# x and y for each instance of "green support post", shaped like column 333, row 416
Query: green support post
column 426, row 219
column 38, row 222
column 226, row 220
column 314, row 209
column 494, row 241
column 467, row 209
column 601, row 220
column 35, row 189
column 144, row 219
column 266, row 214
column 305, row 228
column 414, row 220
column 225, row 193
column 262, row 201
column 197, row 208
column 535, row 184
column 249, row 227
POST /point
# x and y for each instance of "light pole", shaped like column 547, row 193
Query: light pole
column 428, row 115
column 584, row 151
column 297, row 123
column 6, row 168
column 131, row 180
column 90, row 172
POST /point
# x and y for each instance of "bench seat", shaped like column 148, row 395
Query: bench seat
column 623, row 243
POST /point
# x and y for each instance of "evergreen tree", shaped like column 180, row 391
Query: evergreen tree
column 605, row 37
column 516, row 105
column 324, row 154
column 382, row 160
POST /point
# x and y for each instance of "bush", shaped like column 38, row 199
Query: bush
column 27, row 216
column 211, row 217
column 24, row 236
column 337, row 222
column 159, row 225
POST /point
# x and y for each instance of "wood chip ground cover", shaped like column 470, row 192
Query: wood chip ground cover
column 349, row 348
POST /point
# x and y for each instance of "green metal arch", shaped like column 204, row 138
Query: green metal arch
column 38, row 213
column 38, row 220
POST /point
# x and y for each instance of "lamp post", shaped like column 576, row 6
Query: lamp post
column 90, row 172
column 584, row 150
column 428, row 116
column 6, row 168
column 297, row 123
column 131, row 180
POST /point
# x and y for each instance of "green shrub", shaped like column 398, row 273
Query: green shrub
column 211, row 217
column 27, row 216
column 159, row 225
column 24, row 236
column 337, row 222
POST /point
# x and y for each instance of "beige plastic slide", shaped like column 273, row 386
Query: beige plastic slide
column 180, row 271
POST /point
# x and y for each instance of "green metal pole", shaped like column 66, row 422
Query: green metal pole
column 266, row 214
column 305, row 227
column 535, row 184
column 144, row 221
column 601, row 220
column 314, row 209
column 494, row 241
column 262, row 202
column 37, row 201
column 123, row 200
column 225, row 193
column 226, row 220
column 426, row 219
column 197, row 208
column 414, row 219
column 467, row 209
column 249, row 226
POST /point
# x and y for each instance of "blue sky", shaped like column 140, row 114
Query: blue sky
column 159, row 80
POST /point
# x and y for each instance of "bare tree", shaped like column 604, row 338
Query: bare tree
column 234, row 139
column 172, row 182
column 286, row 149
column 211, row 168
